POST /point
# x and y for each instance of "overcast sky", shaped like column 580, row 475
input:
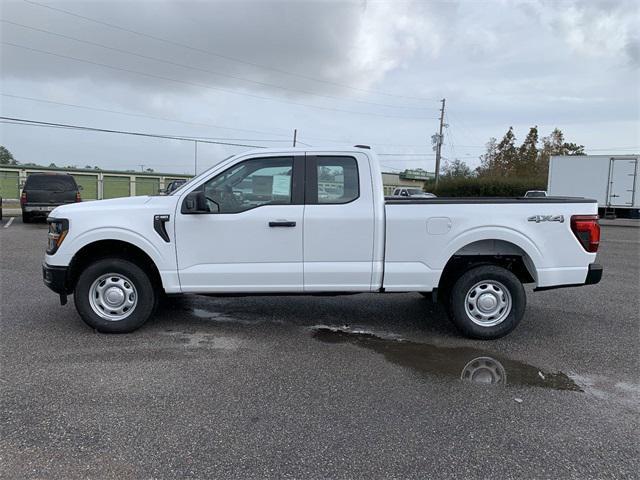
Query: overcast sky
column 369, row 72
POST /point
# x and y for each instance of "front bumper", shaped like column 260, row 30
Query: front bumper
column 55, row 278
column 594, row 275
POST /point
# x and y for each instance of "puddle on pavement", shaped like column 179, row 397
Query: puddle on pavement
column 204, row 340
column 224, row 318
column 465, row 363
column 210, row 315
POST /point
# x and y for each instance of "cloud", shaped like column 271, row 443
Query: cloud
column 596, row 29
column 498, row 63
column 351, row 43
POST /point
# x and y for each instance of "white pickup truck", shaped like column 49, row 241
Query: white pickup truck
column 315, row 221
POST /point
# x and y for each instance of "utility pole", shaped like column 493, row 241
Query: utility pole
column 295, row 136
column 195, row 157
column 141, row 167
column 439, row 144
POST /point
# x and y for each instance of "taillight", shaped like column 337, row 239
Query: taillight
column 587, row 230
column 78, row 197
column 23, row 198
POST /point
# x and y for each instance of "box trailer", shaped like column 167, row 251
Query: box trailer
column 611, row 180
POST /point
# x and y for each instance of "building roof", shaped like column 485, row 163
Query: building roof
column 94, row 171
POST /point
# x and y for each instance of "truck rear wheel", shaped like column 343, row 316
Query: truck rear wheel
column 487, row 302
column 114, row 295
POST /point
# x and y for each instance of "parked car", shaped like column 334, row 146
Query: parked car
column 0, row 209
column 42, row 192
column 411, row 193
column 535, row 193
column 173, row 185
column 278, row 235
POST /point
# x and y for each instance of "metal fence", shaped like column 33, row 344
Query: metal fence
column 94, row 185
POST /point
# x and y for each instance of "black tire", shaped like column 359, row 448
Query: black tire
column 147, row 298
column 26, row 218
column 496, row 278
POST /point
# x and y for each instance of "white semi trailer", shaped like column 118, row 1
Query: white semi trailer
column 611, row 180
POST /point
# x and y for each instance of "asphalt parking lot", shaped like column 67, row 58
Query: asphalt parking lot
column 364, row 386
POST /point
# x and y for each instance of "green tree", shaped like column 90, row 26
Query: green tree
column 487, row 160
column 526, row 162
column 6, row 157
column 456, row 169
column 506, row 154
column 554, row 144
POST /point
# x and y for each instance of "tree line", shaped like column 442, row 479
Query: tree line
column 7, row 158
column 506, row 159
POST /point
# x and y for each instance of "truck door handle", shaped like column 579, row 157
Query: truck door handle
column 283, row 223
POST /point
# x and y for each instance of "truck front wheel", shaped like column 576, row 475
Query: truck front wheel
column 487, row 302
column 114, row 295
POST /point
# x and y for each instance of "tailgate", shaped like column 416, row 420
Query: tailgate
column 49, row 197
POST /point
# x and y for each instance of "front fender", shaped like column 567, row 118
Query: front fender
column 71, row 246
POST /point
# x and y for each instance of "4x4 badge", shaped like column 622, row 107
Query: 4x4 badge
column 546, row 218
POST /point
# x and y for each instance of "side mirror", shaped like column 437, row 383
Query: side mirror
column 196, row 202
column 80, row 187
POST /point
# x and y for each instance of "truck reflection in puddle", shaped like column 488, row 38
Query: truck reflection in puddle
column 466, row 363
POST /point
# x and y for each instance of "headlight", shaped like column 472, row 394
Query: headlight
column 58, row 228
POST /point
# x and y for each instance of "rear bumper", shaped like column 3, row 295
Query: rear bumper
column 594, row 275
column 55, row 278
column 38, row 209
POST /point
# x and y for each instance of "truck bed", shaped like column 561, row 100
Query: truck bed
column 484, row 200
column 423, row 234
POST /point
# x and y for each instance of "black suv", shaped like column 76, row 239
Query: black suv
column 42, row 192
column 173, row 185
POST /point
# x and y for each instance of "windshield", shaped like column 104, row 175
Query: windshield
column 415, row 191
column 52, row 182
column 193, row 180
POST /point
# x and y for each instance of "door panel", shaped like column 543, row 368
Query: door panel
column 252, row 240
column 241, row 252
column 338, row 237
column 623, row 172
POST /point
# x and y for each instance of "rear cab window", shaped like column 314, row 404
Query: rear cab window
column 54, row 183
column 332, row 180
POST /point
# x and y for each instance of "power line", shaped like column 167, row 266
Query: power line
column 408, row 160
column 139, row 115
column 199, row 124
column 219, row 55
column 191, row 67
column 23, row 121
column 182, row 137
column 406, row 154
column 201, row 85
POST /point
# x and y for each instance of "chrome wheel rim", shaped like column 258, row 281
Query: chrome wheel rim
column 488, row 303
column 113, row 297
column 484, row 370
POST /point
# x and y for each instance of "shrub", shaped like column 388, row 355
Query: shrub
column 485, row 186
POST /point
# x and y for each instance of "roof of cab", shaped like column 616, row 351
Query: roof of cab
column 302, row 149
